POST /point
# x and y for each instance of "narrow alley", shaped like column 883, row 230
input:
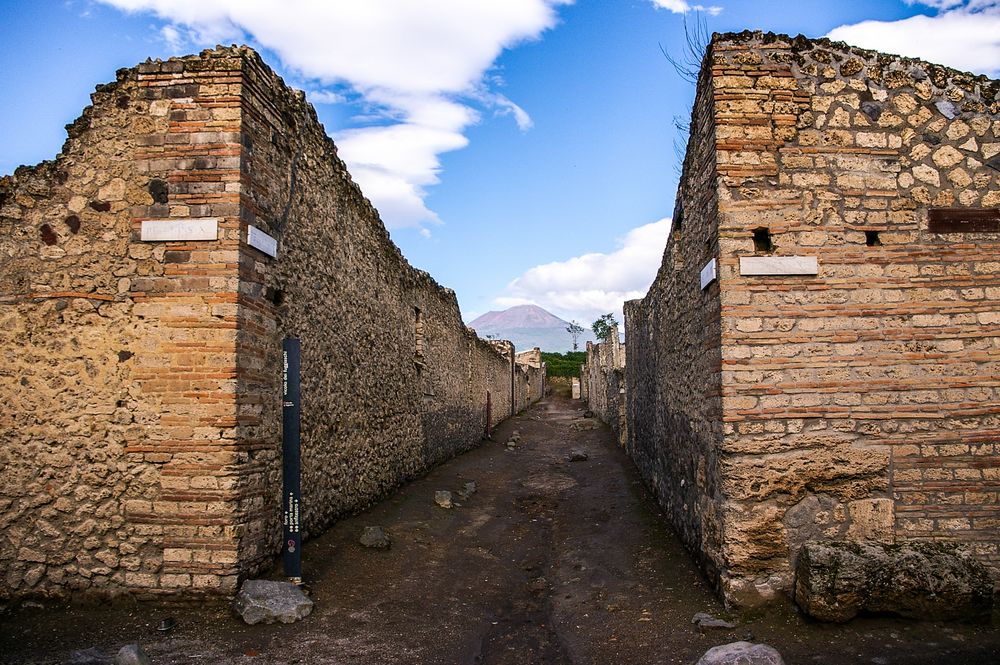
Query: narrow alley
column 551, row 559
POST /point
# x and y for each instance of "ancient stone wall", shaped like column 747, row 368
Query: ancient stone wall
column 531, row 370
column 119, row 354
column 673, row 373
column 859, row 329
column 141, row 447
column 603, row 383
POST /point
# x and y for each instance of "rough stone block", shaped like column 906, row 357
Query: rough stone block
column 375, row 537
column 834, row 581
column 132, row 654
column 265, row 601
column 741, row 653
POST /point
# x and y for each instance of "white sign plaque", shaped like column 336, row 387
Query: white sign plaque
column 166, row 230
column 709, row 273
column 779, row 265
column 262, row 241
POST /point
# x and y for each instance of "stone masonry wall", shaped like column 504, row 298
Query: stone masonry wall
column 859, row 402
column 603, row 382
column 118, row 361
column 531, row 376
column 673, row 374
column 141, row 449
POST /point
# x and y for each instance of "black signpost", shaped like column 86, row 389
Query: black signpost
column 291, row 460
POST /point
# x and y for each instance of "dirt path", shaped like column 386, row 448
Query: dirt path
column 550, row 561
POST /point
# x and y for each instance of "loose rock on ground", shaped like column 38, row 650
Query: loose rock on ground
column 132, row 654
column 443, row 499
column 703, row 620
column 266, row 601
column 375, row 537
column 741, row 653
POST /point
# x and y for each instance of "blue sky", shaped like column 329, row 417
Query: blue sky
column 518, row 150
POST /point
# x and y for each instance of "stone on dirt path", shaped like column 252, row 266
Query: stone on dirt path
column 705, row 620
column 834, row 581
column 577, row 456
column 443, row 499
column 266, row 601
column 132, row 654
column 741, row 653
column 91, row 656
column 375, row 537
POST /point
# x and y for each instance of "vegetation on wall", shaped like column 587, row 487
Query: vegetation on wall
column 602, row 327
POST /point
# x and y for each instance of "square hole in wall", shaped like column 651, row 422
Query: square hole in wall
column 762, row 240
column 872, row 239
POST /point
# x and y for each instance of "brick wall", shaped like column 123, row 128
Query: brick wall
column 859, row 402
column 141, row 450
column 886, row 358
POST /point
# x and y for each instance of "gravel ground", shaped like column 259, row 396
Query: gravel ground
column 549, row 561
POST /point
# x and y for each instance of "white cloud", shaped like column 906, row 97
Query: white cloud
column 584, row 287
column 325, row 97
column 420, row 65
column 395, row 163
column 173, row 37
column 682, row 7
column 962, row 34
column 504, row 106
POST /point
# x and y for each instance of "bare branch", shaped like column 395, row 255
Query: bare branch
column 687, row 64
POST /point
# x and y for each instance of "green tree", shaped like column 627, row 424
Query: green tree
column 602, row 327
column 563, row 364
column 575, row 330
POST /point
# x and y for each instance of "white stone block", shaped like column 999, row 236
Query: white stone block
column 166, row 230
column 709, row 273
column 778, row 265
column 262, row 241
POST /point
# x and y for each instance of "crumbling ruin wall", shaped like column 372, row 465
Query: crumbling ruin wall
column 859, row 392
column 603, row 383
column 141, row 447
column 531, row 370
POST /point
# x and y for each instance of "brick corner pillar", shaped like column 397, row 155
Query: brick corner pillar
column 182, row 505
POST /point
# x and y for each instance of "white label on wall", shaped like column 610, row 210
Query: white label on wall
column 165, row 230
column 778, row 265
column 262, row 241
column 709, row 273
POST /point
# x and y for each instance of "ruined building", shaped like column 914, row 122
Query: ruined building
column 197, row 215
column 602, row 382
column 819, row 355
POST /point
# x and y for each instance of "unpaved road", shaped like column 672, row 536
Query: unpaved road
column 550, row 561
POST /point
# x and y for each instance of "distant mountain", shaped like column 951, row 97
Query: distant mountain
column 529, row 326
